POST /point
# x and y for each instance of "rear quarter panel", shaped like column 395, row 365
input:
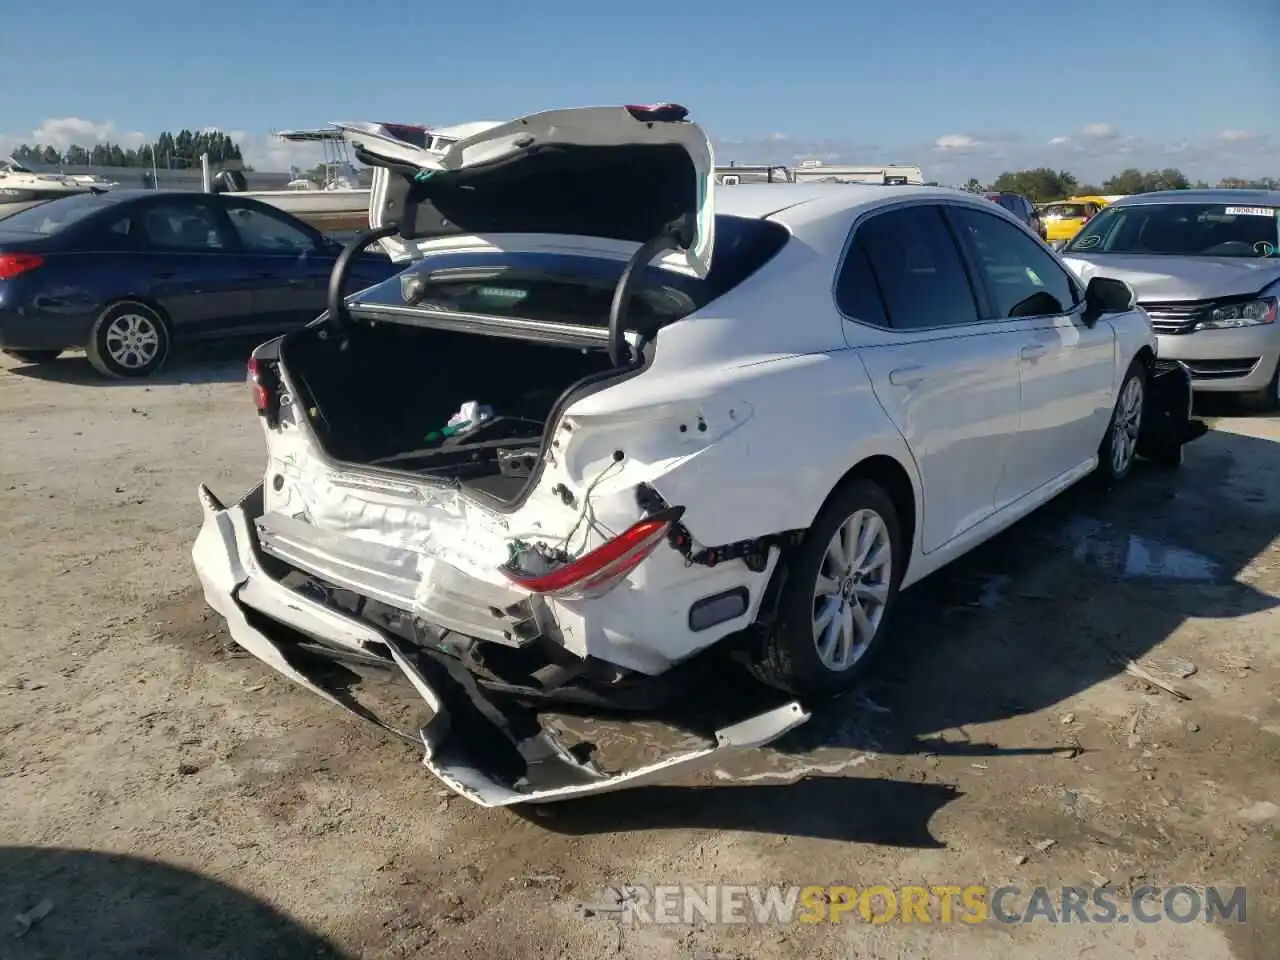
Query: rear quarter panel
column 752, row 411
column 59, row 301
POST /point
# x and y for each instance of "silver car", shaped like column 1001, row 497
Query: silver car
column 1205, row 264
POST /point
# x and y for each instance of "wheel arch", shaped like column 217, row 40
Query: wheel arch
column 898, row 482
column 142, row 301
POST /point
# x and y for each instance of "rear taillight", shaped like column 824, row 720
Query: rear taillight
column 13, row 264
column 263, row 384
column 596, row 573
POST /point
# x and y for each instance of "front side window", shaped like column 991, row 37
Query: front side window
column 1183, row 230
column 263, row 232
column 918, row 268
column 1022, row 278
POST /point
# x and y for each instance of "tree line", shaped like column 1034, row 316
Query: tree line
column 1042, row 183
column 168, row 151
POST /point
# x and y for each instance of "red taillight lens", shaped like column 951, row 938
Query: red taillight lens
column 262, row 384
column 13, row 264
column 596, row 573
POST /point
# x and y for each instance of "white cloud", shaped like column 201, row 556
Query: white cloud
column 271, row 155
column 1100, row 131
column 1237, row 136
column 778, row 137
column 956, row 143
column 1060, row 141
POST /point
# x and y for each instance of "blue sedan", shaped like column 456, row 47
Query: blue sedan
column 129, row 273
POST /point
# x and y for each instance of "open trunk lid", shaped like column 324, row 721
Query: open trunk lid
column 596, row 181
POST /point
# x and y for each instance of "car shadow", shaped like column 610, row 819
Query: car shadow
column 894, row 813
column 220, row 362
column 1057, row 604
column 106, row 905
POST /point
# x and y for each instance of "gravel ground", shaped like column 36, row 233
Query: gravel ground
column 171, row 797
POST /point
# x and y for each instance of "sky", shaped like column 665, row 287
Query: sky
column 963, row 89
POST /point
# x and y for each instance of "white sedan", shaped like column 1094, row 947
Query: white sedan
column 609, row 423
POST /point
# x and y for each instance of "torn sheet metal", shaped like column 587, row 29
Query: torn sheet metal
column 236, row 586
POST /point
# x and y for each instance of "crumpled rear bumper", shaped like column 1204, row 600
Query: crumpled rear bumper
column 256, row 606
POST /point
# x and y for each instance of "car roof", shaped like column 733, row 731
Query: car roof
column 1268, row 198
column 794, row 203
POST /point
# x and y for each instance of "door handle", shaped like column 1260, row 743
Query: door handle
column 162, row 276
column 1033, row 351
column 267, row 274
column 908, row 376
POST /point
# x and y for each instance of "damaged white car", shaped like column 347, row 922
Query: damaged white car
column 606, row 421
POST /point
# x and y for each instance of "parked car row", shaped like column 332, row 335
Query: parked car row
column 126, row 274
column 610, row 432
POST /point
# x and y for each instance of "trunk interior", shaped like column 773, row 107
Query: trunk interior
column 385, row 400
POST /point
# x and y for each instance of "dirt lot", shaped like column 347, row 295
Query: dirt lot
column 172, row 798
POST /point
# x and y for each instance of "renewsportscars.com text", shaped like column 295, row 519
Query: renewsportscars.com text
column 969, row 904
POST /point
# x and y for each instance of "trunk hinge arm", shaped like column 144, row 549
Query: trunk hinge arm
column 339, row 316
column 677, row 235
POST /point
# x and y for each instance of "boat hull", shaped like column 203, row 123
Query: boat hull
column 305, row 203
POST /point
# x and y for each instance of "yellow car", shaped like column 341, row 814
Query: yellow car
column 1063, row 219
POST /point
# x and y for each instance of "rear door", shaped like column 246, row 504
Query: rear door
column 947, row 380
column 194, row 266
column 1066, row 369
column 290, row 263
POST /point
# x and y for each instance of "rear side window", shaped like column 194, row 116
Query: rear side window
column 183, row 226
column 857, row 292
column 918, row 269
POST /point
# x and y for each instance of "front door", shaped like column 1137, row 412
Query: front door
column 290, row 263
column 1066, row 369
column 195, row 270
column 947, row 380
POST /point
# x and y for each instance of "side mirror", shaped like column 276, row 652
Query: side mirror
column 1106, row 295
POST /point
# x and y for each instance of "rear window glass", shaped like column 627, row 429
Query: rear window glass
column 575, row 289
column 1065, row 210
column 55, row 215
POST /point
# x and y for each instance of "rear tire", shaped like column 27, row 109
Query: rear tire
column 839, row 595
column 34, row 356
column 1119, row 447
column 129, row 340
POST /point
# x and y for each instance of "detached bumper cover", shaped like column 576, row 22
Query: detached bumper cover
column 1167, row 424
column 463, row 741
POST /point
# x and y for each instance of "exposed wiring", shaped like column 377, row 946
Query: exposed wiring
column 586, row 505
column 526, row 540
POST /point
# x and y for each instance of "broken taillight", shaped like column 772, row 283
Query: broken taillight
column 263, row 384
column 596, row 573
column 13, row 264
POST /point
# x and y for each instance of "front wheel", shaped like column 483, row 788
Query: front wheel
column 838, row 595
column 1119, row 447
column 129, row 340
column 34, row 356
